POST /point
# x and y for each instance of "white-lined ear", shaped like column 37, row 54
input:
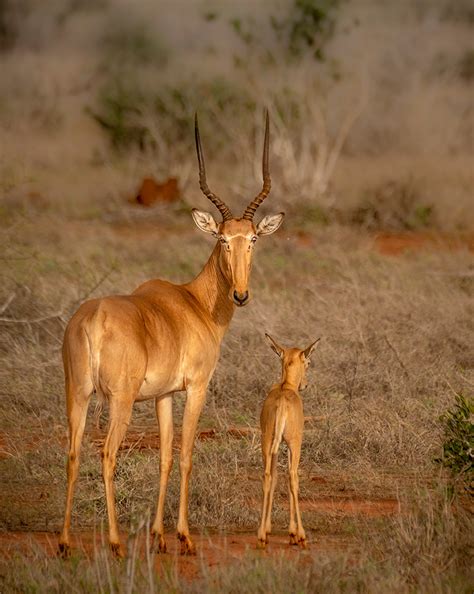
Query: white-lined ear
column 270, row 224
column 308, row 350
column 205, row 221
column 274, row 345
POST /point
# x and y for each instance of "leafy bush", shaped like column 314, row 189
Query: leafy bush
column 305, row 28
column 132, row 45
column 392, row 206
column 129, row 112
column 458, row 445
column 119, row 108
column 312, row 25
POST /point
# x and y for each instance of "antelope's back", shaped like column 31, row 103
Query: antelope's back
column 151, row 341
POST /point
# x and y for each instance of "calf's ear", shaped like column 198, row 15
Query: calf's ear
column 274, row 345
column 308, row 350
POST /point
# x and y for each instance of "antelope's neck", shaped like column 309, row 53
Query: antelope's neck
column 290, row 380
column 211, row 288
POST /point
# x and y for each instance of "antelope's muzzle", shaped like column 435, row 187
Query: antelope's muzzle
column 241, row 299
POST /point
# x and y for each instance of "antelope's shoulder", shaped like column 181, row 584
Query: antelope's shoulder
column 157, row 289
column 278, row 392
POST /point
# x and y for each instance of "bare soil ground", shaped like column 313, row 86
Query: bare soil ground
column 394, row 244
column 213, row 550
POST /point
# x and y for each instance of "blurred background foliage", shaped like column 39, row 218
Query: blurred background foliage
column 369, row 101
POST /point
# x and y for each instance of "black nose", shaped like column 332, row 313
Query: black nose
column 241, row 298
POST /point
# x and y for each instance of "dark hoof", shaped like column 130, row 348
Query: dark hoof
column 293, row 540
column 158, row 544
column 64, row 550
column 117, row 550
column 261, row 544
column 187, row 546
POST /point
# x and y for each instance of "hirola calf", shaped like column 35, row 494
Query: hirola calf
column 282, row 419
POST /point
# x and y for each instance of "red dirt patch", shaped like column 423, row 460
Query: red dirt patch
column 213, row 550
column 151, row 191
column 343, row 506
column 393, row 244
column 138, row 437
column 148, row 437
column 349, row 506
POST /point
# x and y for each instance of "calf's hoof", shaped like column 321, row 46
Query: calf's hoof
column 293, row 540
column 187, row 546
column 261, row 544
column 64, row 550
column 158, row 543
column 117, row 550
column 303, row 543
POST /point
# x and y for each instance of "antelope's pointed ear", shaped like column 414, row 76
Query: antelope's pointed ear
column 270, row 224
column 274, row 345
column 205, row 221
column 308, row 350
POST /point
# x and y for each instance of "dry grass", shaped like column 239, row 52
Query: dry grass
column 397, row 344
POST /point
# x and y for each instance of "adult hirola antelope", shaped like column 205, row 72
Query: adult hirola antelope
column 161, row 339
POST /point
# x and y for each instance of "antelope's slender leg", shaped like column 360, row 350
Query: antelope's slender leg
column 194, row 403
column 164, row 413
column 120, row 413
column 295, row 449
column 274, row 477
column 77, row 405
column 267, row 478
column 292, row 527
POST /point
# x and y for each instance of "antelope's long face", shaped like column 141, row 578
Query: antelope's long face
column 237, row 238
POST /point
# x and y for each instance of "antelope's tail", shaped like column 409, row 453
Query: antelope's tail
column 280, row 422
column 94, row 339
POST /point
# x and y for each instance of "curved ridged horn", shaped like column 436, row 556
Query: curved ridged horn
column 267, row 184
column 223, row 208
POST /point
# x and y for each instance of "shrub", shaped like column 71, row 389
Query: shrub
column 134, row 116
column 392, row 206
column 458, row 445
column 119, row 108
column 312, row 25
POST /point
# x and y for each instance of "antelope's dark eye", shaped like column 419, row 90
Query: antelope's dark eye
column 254, row 239
column 225, row 244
